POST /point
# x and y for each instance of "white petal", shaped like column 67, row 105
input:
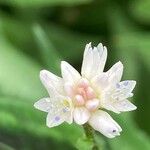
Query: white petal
column 115, row 99
column 43, row 104
column 69, row 74
column 81, row 115
column 107, row 80
column 103, row 57
column 119, row 106
column 123, row 90
column 115, row 73
column 101, row 82
column 69, row 89
column 103, row 122
column 60, row 111
column 68, row 110
column 69, row 118
column 65, row 106
column 110, row 106
column 92, row 104
column 51, row 82
column 87, row 60
column 53, row 120
column 124, row 105
column 128, row 84
column 93, row 60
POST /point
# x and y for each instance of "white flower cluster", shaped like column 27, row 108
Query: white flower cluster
column 81, row 97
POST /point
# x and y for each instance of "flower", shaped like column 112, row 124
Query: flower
column 82, row 98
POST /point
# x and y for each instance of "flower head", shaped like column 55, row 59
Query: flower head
column 82, row 97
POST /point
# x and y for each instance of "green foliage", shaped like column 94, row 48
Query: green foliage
column 84, row 144
column 47, row 50
column 5, row 147
column 41, row 3
column 133, row 49
column 35, row 35
column 131, row 138
column 140, row 10
column 14, row 67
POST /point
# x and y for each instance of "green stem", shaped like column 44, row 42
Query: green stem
column 89, row 132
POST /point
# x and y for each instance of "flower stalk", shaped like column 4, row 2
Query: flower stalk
column 89, row 133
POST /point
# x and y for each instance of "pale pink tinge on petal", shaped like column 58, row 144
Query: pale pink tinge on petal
column 79, row 100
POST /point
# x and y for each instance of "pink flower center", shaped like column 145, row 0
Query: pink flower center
column 83, row 95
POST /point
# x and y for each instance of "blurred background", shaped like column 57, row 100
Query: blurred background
column 38, row 34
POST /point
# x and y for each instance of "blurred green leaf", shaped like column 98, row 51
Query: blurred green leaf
column 131, row 137
column 19, row 34
column 18, row 73
column 18, row 116
column 140, row 10
column 64, row 32
column 20, row 65
column 69, row 48
column 5, row 147
column 41, row 3
column 90, row 19
column 70, row 44
column 84, row 144
column 131, row 47
column 48, row 52
column 136, row 43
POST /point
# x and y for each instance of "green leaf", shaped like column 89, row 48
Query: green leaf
column 42, row 3
column 29, row 120
column 22, row 73
column 132, row 47
column 140, row 10
column 71, row 47
column 48, row 52
column 18, row 73
column 18, row 116
column 136, row 43
column 5, row 147
column 84, row 144
column 131, row 137
column 19, row 34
